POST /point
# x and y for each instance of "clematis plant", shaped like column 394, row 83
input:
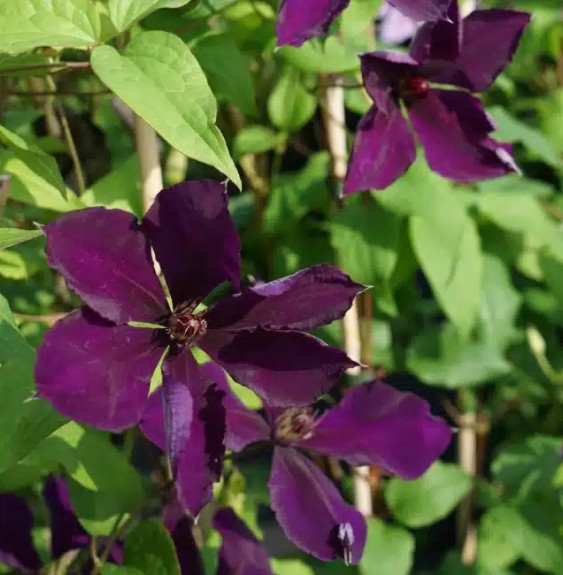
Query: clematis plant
column 17, row 549
column 240, row 552
column 298, row 21
column 450, row 124
column 374, row 424
column 95, row 365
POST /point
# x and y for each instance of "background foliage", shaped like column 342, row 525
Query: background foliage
column 467, row 306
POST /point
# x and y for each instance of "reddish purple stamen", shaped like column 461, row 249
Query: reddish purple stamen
column 414, row 88
column 185, row 327
column 294, row 424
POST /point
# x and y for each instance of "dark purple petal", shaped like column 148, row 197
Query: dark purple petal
column 240, row 553
column 298, row 22
column 453, row 130
column 305, row 300
column 66, row 532
column 194, row 239
column 16, row 543
column 393, row 26
column 423, row 10
column 441, row 40
column 311, row 511
column 383, row 151
column 282, row 367
column 152, row 423
column 381, row 73
column 376, row 424
column 201, row 460
column 105, row 258
column 244, row 426
column 178, row 405
column 180, row 527
column 94, row 372
column 490, row 38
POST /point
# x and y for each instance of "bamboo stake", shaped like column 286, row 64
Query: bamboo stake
column 146, row 142
column 335, row 129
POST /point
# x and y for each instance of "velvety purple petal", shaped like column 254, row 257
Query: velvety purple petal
column 490, row 38
column 17, row 549
column 194, row 239
column 305, row 300
column 423, row 10
column 66, row 532
column 453, row 130
column 311, row 511
column 282, row 367
column 178, row 391
column 383, row 151
column 382, row 71
column 152, row 423
column 393, row 26
column 376, row 424
column 244, row 426
column 440, row 40
column 106, row 260
column 298, row 22
column 240, row 551
column 180, row 527
column 94, row 372
column 201, row 459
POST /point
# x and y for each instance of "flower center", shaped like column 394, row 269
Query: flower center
column 414, row 88
column 294, row 424
column 185, row 327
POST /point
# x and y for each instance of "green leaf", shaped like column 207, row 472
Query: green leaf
column 290, row 106
column 293, row 194
column 291, row 567
column 500, row 303
column 510, row 129
column 26, row 422
column 496, row 543
column 441, row 357
column 528, row 467
column 229, row 78
column 98, row 497
column 13, row 236
column 12, row 343
column 451, row 260
column 365, row 237
column 444, row 239
column 27, row 24
column 431, row 497
column 159, row 78
column 150, row 549
column 389, row 550
column 535, row 532
column 256, row 140
column 121, row 188
column 124, row 13
column 36, row 171
column 522, row 214
column 111, row 569
column 330, row 58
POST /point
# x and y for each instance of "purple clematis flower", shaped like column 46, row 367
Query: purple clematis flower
column 240, row 552
column 299, row 21
column 95, row 367
column 17, row 549
column 374, row 424
column 451, row 125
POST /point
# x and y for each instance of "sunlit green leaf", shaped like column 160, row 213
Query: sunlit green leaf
column 159, row 78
